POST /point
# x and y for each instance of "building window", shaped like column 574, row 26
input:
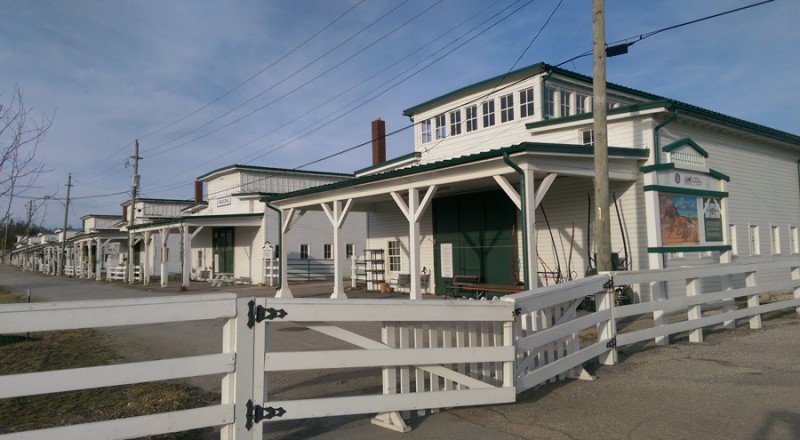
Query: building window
column 732, row 239
column 526, row 103
column 327, row 251
column 426, row 130
column 441, row 127
column 549, row 102
column 349, row 250
column 775, row 239
column 755, row 243
column 488, row 113
column 795, row 239
column 276, row 251
column 455, row 122
column 304, row 252
column 472, row 118
column 394, row 256
column 582, row 104
column 587, row 137
column 564, row 103
column 507, row 108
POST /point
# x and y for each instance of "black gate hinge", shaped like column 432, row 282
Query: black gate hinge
column 608, row 285
column 612, row 343
column 257, row 414
column 259, row 313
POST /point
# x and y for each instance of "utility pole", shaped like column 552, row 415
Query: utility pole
column 62, row 254
column 602, row 223
column 134, row 188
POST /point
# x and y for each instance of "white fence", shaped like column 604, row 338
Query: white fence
column 119, row 273
column 430, row 354
column 38, row 317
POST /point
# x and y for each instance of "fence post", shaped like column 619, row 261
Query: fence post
column 727, row 285
column 753, row 300
column 607, row 331
column 237, row 387
column 658, row 292
column 695, row 311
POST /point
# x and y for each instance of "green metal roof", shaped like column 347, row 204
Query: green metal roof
column 525, row 147
column 276, row 170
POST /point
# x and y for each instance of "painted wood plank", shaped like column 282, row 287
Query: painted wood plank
column 134, row 427
column 551, row 370
column 37, row 317
column 339, row 406
column 29, row 384
column 297, row 361
column 370, row 310
column 545, row 336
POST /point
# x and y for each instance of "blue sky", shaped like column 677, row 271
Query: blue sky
column 166, row 72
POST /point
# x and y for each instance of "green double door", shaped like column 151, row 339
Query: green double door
column 222, row 248
column 478, row 231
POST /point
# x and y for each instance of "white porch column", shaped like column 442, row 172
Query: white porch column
column 98, row 267
column 187, row 256
column 289, row 218
column 89, row 268
column 413, row 211
column 146, row 269
column 531, row 196
column 337, row 215
column 164, row 234
column 79, row 269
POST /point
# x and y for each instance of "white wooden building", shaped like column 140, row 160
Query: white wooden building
column 229, row 233
column 499, row 185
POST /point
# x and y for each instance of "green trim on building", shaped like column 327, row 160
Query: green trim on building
column 276, row 170
column 686, row 191
column 525, row 147
column 415, row 155
column 660, row 167
column 670, row 249
column 682, row 143
column 718, row 175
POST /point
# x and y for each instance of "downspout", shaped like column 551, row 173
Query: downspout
column 657, row 140
column 523, row 208
column 544, row 97
column 280, row 238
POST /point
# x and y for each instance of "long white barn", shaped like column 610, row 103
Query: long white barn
column 500, row 183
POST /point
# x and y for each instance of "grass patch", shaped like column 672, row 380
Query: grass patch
column 76, row 349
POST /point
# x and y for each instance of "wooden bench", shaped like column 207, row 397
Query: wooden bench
column 489, row 291
column 454, row 287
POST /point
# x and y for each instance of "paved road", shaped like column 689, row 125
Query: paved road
column 740, row 384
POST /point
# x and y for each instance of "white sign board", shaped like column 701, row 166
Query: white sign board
column 446, row 262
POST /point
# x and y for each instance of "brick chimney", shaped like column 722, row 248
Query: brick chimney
column 198, row 191
column 378, row 141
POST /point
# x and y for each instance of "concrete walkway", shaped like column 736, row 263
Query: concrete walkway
column 739, row 384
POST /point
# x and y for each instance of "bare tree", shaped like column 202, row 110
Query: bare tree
column 20, row 136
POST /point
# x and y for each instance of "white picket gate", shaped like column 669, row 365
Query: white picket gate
column 431, row 354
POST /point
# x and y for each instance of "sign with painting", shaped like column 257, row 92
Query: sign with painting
column 678, row 221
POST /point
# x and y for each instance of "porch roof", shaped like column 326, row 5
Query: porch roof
column 203, row 220
column 549, row 157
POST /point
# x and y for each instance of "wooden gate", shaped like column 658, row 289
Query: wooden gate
column 426, row 355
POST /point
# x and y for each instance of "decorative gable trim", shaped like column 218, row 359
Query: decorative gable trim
column 682, row 143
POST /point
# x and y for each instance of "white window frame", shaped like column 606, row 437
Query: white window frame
column 441, row 126
column 507, row 108
column 775, row 239
column 793, row 236
column 732, row 240
column 471, row 118
column 581, row 102
column 755, row 240
column 425, row 131
column 349, row 250
column 549, row 102
column 582, row 136
column 527, row 106
column 327, row 251
column 305, row 251
column 393, row 251
column 564, row 106
column 488, row 113
column 455, row 122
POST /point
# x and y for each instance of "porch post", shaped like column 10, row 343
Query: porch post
column 164, row 234
column 89, row 268
column 146, row 260
column 98, row 267
column 187, row 256
column 413, row 211
column 79, row 273
column 531, row 273
column 337, row 216
column 288, row 218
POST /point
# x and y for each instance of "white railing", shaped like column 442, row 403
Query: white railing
column 39, row 317
column 664, row 317
column 69, row 270
column 431, row 354
column 119, row 273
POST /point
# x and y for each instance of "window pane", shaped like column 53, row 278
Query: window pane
column 426, row 130
column 455, row 122
column 488, row 113
column 526, row 103
column 441, row 127
column 472, row 118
